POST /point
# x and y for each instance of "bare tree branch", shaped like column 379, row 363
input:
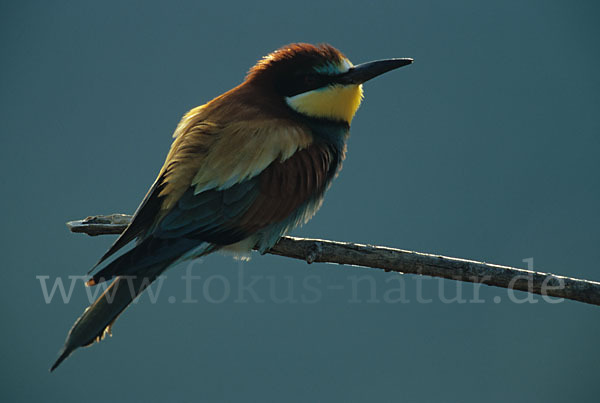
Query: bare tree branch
column 401, row 261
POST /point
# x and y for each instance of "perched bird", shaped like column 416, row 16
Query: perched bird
column 243, row 170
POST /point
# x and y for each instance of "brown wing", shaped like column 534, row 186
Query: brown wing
column 205, row 155
column 230, row 215
column 286, row 185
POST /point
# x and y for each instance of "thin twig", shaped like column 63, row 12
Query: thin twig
column 401, row 261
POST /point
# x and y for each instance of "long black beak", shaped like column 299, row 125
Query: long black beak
column 366, row 71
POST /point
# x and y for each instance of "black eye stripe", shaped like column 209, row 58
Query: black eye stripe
column 304, row 82
column 310, row 79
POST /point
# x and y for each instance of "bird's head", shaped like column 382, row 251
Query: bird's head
column 318, row 81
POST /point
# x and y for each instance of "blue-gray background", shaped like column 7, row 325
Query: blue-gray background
column 486, row 148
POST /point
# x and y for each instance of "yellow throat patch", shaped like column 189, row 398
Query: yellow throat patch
column 335, row 102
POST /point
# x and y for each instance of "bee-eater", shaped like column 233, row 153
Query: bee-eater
column 243, row 170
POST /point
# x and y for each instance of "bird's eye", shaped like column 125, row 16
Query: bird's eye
column 310, row 80
column 301, row 82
